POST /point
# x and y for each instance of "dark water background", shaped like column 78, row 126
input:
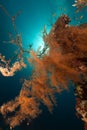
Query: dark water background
column 35, row 14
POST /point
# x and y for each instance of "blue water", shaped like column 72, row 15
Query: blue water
column 35, row 15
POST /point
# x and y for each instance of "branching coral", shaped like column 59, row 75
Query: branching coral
column 5, row 65
column 81, row 100
column 24, row 107
column 11, row 70
column 80, row 3
column 52, row 71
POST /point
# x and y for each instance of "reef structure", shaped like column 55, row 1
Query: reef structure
column 66, row 60
column 72, row 41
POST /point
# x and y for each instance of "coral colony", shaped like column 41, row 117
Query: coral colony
column 68, row 44
column 80, row 3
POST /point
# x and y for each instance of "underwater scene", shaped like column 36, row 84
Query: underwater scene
column 43, row 64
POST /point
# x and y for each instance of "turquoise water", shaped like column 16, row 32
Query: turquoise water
column 35, row 15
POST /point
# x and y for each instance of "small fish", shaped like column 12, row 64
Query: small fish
column 74, row 5
column 54, row 14
column 81, row 17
